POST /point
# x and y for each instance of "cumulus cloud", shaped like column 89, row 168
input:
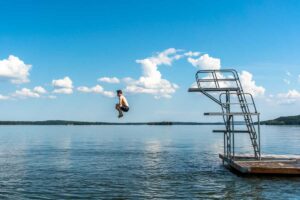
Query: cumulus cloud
column 205, row 62
column 98, row 89
column 108, row 94
column 40, row 90
column 63, row 86
column 36, row 92
column 66, row 82
column 194, row 85
column 293, row 94
column 95, row 89
column 15, row 70
column 249, row 84
column 25, row 93
column 151, row 81
column 192, row 53
column 128, row 80
column 288, row 98
column 113, row 80
column 3, row 97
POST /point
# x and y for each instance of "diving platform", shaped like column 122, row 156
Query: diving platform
column 230, row 114
column 224, row 88
column 233, row 131
column 267, row 165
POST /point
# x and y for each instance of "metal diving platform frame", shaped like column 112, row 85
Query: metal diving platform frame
column 223, row 86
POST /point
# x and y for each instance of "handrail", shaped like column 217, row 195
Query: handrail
column 219, row 79
column 217, row 70
column 215, row 77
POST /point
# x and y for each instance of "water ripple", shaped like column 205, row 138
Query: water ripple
column 177, row 162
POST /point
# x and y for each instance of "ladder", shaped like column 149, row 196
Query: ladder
column 226, row 83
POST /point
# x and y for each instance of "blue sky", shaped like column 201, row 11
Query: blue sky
column 71, row 44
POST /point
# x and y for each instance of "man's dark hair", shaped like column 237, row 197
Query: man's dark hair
column 119, row 92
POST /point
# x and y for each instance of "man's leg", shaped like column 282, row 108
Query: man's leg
column 119, row 110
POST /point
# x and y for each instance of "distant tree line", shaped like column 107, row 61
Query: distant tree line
column 81, row 123
column 289, row 120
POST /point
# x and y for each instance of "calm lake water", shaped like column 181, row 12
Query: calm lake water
column 135, row 162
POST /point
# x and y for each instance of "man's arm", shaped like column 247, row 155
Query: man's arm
column 120, row 101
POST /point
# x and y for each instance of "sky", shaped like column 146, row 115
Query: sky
column 65, row 59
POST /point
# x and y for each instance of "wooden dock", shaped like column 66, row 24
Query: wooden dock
column 268, row 165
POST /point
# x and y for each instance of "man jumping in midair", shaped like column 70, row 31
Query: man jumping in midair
column 122, row 106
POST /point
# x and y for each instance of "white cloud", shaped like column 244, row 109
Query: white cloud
column 98, row 89
column 2, row 97
column 192, row 54
column 294, row 94
column 63, row 91
column 288, row 73
column 109, row 80
column 66, row 82
column 109, row 94
column 84, row 89
column 128, row 80
column 40, row 90
column 63, row 86
column 25, row 92
column 249, row 84
column 194, row 85
column 288, row 98
column 151, row 81
column 205, row 62
column 14, row 69
column 36, row 92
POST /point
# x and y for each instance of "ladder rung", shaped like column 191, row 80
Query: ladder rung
column 232, row 131
column 234, row 113
column 238, row 103
column 215, row 80
column 212, row 89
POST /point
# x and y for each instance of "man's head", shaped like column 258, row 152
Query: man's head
column 119, row 92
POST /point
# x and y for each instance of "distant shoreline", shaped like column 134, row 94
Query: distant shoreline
column 283, row 121
column 81, row 123
column 288, row 120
